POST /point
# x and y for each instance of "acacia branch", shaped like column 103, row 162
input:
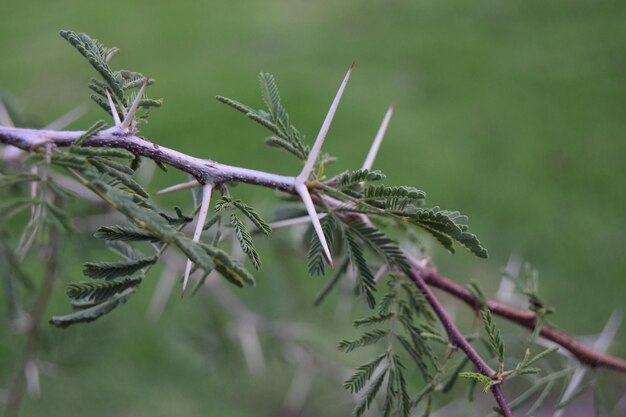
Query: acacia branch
column 458, row 340
column 205, row 170
column 523, row 318
column 210, row 172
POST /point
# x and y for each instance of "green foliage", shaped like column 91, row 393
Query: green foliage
column 317, row 258
column 90, row 314
column 402, row 326
column 245, row 240
column 524, row 367
column 125, row 233
column 120, row 173
column 381, row 244
column 495, row 338
column 241, row 230
column 275, row 119
column 94, row 129
column 228, row 267
column 352, row 178
column 365, row 282
column 98, row 56
column 254, row 217
column 117, row 82
column 368, row 338
column 483, row 379
column 363, row 373
column 112, row 270
column 88, row 293
column 447, row 227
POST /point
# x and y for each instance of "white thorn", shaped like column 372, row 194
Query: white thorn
column 133, row 108
column 382, row 271
column 179, row 187
column 5, row 118
column 317, row 146
column 301, row 189
column 601, row 345
column 116, row 117
column 371, row 155
column 67, row 119
column 31, row 373
column 204, row 210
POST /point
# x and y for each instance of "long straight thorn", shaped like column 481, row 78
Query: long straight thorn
column 319, row 141
column 204, row 210
column 67, row 119
column 301, row 189
column 133, row 108
column 371, row 155
column 5, row 118
column 179, row 187
column 116, row 116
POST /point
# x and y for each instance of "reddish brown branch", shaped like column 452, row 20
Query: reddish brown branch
column 457, row 339
column 526, row 319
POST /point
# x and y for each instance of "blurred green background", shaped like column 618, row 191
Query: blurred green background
column 512, row 112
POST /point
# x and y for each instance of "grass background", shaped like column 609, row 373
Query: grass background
column 512, row 112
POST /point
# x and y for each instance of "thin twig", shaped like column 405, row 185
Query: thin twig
column 20, row 383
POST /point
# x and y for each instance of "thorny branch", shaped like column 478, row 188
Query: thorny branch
column 211, row 172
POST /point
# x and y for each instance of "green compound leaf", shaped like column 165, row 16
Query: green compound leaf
column 112, row 270
column 228, row 267
column 245, row 240
column 447, row 227
column 95, row 128
column 316, row 256
column 381, row 244
column 368, row 338
column 365, row 281
column 363, row 373
column 254, row 217
column 366, row 401
column 483, row 379
column 95, row 292
column 495, row 338
column 352, row 178
column 97, row 55
column 127, row 233
column 90, row 314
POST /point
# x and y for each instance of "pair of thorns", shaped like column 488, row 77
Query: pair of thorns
column 300, row 182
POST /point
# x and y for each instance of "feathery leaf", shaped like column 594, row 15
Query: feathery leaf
column 495, row 338
column 90, row 314
column 367, row 339
column 316, row 255
column 112, row 270
column 254, row 217
column 127, row 233
column 245, row 240
column 385, row 247
column 447, row 227
column 363, row 373
column 95, row 128
column 94, row 292
column 365, row 281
